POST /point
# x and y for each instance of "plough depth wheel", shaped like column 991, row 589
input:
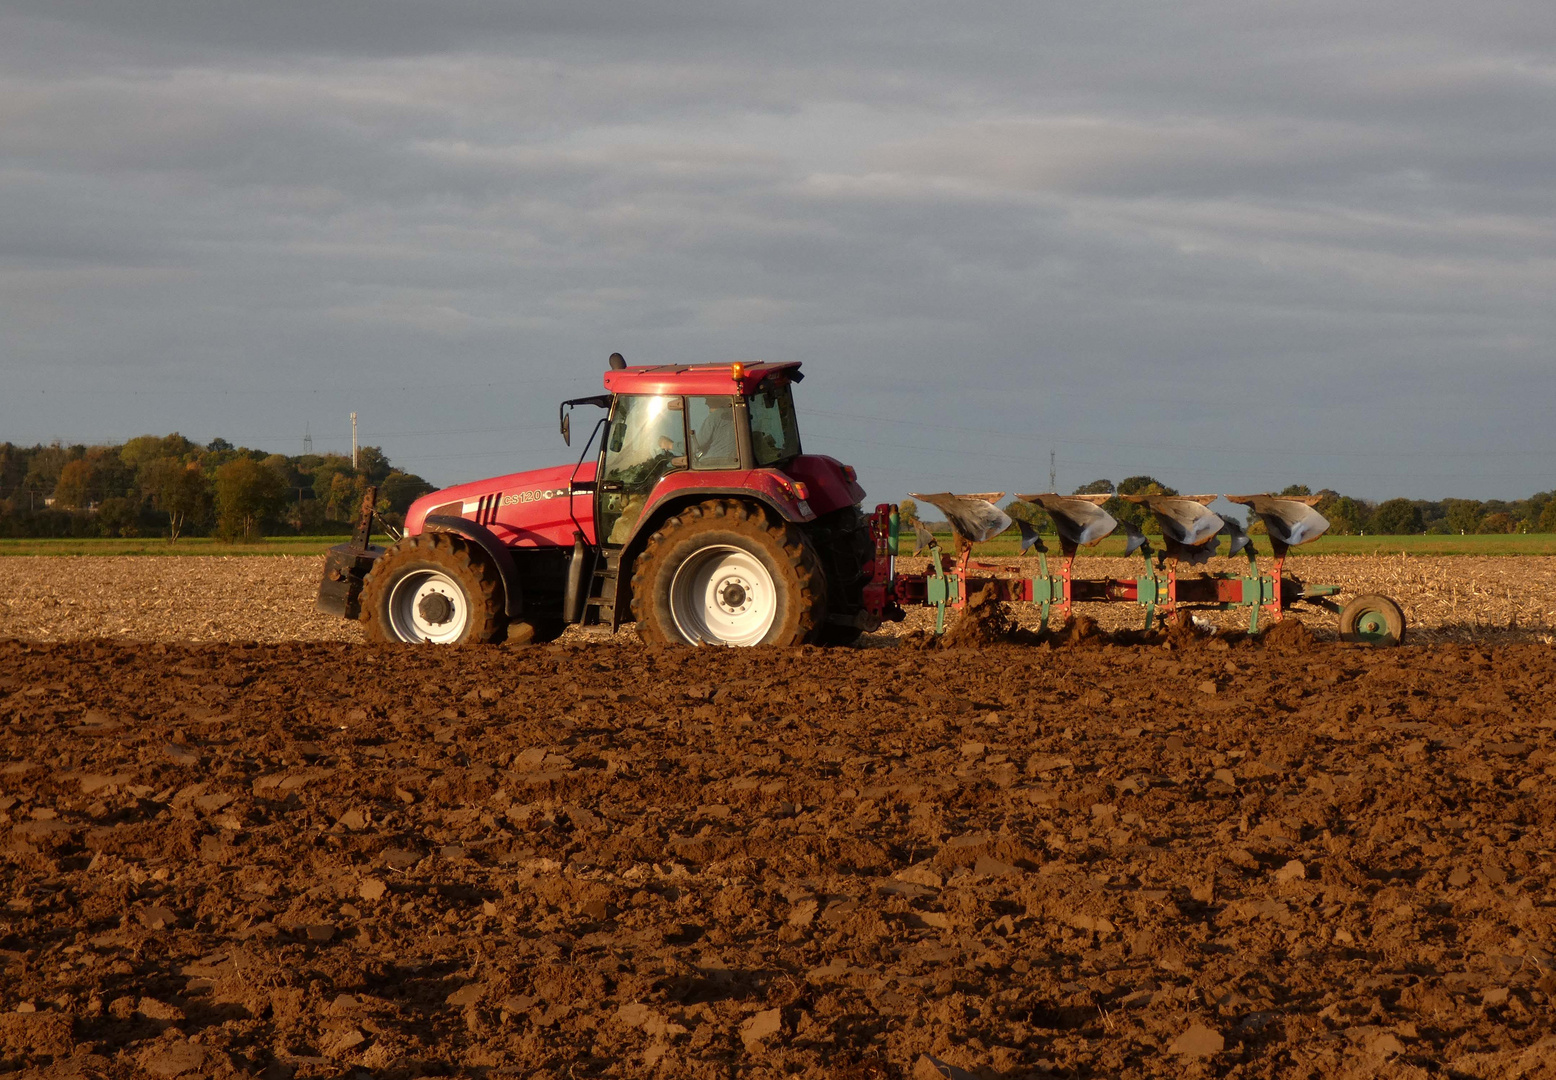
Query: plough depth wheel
column 1371, row 619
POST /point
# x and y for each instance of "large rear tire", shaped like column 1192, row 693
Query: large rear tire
column 845, row 546
column 723, row 573
column 433, row 588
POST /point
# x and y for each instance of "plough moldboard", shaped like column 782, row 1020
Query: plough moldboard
column 1166, row 587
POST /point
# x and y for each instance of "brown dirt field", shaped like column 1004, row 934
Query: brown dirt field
column 166, row 598
column 1204, row 858
column 270, row 598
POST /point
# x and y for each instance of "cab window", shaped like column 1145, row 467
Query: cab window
column 775, row 434
column 710, row 422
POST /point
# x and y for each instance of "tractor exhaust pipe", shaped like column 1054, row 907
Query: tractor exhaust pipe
column 573, row 599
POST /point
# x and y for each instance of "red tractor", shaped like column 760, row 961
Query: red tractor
column 698, row 516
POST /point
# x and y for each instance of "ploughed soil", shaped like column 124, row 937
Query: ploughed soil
column 1189, row 858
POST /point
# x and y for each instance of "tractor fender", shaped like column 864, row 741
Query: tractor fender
column 496, row 550
column 667, row 506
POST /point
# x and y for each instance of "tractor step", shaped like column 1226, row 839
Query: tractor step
column 603, row 586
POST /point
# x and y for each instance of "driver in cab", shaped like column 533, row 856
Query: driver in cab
column 713, row 443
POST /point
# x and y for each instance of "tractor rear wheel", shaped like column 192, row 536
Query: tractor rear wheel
column 722, row 573
column 1372, row 620
column 433, row 588
column 845, row 545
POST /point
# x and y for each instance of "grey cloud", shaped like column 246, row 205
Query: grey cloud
column 1230, row 246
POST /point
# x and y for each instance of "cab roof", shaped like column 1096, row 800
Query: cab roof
column 699, row 379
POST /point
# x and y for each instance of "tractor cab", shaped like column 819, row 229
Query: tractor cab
column 705, row 427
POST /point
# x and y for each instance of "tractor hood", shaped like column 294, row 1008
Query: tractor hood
column 522, row 508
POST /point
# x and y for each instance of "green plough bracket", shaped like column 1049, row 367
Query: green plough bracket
column 1046, row 590
column 940, row 588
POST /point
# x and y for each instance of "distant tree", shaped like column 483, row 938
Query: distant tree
column 907, row 513
column 150, row 472
column 1547, row 522
column 1134, row 513
column 44, row 467
column 247, row 492
column 180, row 491
column 344, row 497
column 1499, row 522
column 119, row 516
column 1529, row 511
column 1096, row 487
column 324, row 476
column 1144, row 485
column 141, row 449
column 1463, row 515
column 372, row 464
column 1396, row 517
column 113, row 479
column 1296, row 489
column 77, row 480
column 309, row 516
column 1030, row 513
column 13, row 467
column 291, row 479
column 1347, row 517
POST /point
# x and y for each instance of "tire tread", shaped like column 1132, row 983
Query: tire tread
column 735, row 515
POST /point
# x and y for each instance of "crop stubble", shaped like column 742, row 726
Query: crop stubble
column 1222, row 858
column 270, row 598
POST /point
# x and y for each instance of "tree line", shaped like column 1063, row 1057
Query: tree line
column 1348, row 516
column 170, row 486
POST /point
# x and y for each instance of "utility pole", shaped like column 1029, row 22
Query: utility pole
column 353, row 440
column 307, row 439
column 1053, row 473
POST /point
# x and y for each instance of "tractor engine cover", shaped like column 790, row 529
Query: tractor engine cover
column 534, row 509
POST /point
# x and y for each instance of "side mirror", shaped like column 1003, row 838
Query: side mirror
column 564, row 413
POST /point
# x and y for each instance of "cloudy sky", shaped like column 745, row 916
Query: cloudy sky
column 1232, row 244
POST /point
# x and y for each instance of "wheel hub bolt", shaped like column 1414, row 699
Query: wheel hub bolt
column 435, row 608
column 733, row 595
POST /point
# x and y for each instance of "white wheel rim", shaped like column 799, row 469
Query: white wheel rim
column 723, row 595
column 416, row 612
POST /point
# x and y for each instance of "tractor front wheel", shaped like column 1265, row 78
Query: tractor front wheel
column 722, row 573
column 433, row 588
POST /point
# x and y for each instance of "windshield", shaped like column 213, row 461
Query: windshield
column 644, row 429
column 775, row 436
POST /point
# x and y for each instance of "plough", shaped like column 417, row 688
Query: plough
column 693, row 511
column 1190, row 536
